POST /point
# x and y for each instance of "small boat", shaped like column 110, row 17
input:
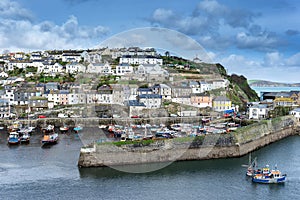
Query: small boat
column 15, row 126
column 77, row 128
column 25, row 138
column 50, row 137
column 64, row 128
column 252, row 167
column 269, row 176
column 13, row 138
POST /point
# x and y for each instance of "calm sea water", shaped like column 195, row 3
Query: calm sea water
column 258, row 90
column 32, row 172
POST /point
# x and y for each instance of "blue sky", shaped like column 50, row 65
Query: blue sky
column 257, row 39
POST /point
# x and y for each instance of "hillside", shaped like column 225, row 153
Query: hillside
column 264, row 83
column 238, row 91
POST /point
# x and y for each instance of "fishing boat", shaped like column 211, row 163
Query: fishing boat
column 13, row 138
column 269, row 176
column 25, row 138
column 50, row 137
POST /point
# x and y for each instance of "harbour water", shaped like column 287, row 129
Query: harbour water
column 32, row 172
column 259, row 90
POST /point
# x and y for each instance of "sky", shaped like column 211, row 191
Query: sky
column 256, row 39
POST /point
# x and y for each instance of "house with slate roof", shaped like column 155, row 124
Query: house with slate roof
column 150, row 100
column 135, row 107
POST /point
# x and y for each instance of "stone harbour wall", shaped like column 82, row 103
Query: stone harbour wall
column 167, row 151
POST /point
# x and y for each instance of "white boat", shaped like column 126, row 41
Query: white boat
column 25, row 137
column 64, row 128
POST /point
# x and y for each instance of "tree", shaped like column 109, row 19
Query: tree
column 167, row 54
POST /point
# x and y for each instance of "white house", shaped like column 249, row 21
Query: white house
column 76, row 98
column 99, row 68
column 164, row 90
column 9, row 94
column 258, row 111
column 53, row 97
column 205, row 86
column 3, row 75
column 151, row 69
column 75, row 67
column 182, row 100
column 71, row 57
column 141, row 59
column 92, row 57
column 296, row 113
column 35, row 56
column 17, row 64
column 150, row 100
column 222, row 83
column 105, row 94
column 4, row 108
column 195, row 86
column 52, row 68
column 123, row 69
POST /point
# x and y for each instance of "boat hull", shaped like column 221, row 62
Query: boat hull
column 50, row 139
column 269, row 180
column 13, row 142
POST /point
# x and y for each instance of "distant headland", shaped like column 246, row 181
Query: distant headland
column 264, row 83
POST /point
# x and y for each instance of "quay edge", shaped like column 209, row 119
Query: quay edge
column 254, row 138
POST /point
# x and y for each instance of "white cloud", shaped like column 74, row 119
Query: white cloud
column 273, row 59
column 12, row 10
column 163, row 15
column 19, row 33
column 294, row 60
column 273, row 67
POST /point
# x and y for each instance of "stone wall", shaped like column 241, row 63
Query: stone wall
column 168, row 151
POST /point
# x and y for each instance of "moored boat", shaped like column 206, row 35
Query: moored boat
column 13, row 138
column 269, row 176
column 252, row 167
column 25, row 138
column 50, row 137
column 77, row 128
column 64, row 128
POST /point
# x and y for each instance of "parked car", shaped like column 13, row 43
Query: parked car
column 135, row 116
column 62, row 115
column 42, row 116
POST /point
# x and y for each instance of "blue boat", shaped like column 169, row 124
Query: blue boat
column 13, row 138
column 77, row 129
column 269, row 176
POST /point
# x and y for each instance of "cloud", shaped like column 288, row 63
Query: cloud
column 274, row 66
column 217, row 26
column 12, row 10
column 294, row 60
column 18, row 32
column 263, row 41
